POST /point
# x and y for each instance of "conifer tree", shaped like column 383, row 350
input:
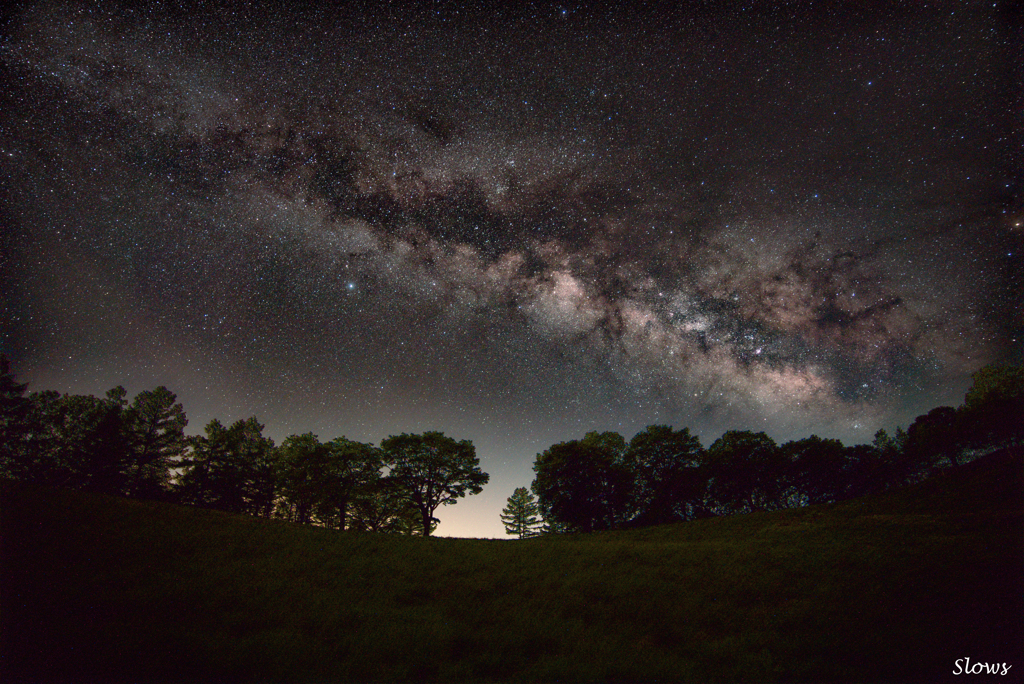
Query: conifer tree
column 520, row 515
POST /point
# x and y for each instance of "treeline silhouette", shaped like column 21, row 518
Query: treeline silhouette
column 140, row 450
column 662, row 475
column 600, row 482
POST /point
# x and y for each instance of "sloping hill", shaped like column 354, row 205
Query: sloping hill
column 890, row 588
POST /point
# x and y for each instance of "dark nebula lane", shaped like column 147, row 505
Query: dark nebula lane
column 514, row 225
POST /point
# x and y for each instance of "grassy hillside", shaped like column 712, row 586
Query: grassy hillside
column 891, row 588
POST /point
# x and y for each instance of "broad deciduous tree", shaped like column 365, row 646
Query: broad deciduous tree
column 994, row 407
column 582, row 484
column 815, row 470
column 357, row 474
column 668, row 484
column 385, row 508
column 432, row 470
column 932, row 438
column 320, row 481
column 305, row 476
column 745, row 469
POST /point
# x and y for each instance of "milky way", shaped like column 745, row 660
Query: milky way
column 514, row 226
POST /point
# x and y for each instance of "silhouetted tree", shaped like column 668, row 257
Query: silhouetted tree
column 668, row 483
column 868, row 470
column 78, row 441
column 15, row 409
column 551, row 526
column 231, row 469
column 39, row 457
column 385, row 508
column 318, row 482
column 305, row 477
column 432, row 470
column 897, row 443
column 357, row 469
column 85, row 442
column 815, row 470
column 745, row 471
column 582, row 485
column 520, row 514
column 993, row 409
column 155, row 426
column 932, row 438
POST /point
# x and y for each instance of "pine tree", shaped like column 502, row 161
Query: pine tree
column 231, row 469
column 520, row 515
column 154, row 426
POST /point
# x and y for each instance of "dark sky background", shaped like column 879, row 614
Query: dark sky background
column 514, row 226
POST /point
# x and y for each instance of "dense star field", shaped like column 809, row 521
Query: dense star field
column 514, row 226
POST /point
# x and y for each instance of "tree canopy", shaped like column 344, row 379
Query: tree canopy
column 663, row 464
column 321, row 481
column 14, row 426
column 432, row 470
column 743, row 469
column 138, row 448
column 231, row 469
column 582, row 483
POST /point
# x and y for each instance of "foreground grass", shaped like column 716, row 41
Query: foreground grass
column 892, row 588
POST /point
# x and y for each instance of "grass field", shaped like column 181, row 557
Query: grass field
column 890, row 588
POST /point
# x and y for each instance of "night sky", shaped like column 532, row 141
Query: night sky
column 514, row 226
